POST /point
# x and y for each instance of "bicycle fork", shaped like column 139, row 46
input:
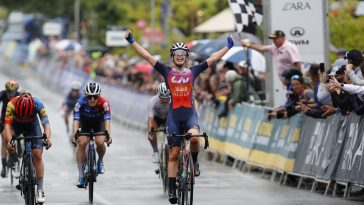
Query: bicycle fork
column 91, row 153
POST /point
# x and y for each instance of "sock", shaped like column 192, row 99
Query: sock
column 154, row 146
column 80, row 170
column 172, row 184
column 194, row 156
column 3, row 162
column 39, row 183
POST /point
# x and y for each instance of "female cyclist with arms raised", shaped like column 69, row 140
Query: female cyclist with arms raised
column 182, row 114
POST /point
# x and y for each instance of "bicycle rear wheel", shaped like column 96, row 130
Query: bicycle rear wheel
column 90, row 178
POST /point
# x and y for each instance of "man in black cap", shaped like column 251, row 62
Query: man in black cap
column 285, row 54
column 354, row 58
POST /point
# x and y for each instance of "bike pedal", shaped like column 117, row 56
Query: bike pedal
column 157, row 171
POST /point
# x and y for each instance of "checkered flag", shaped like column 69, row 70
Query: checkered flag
column 245, row 14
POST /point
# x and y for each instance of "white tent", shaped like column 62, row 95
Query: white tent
column 221, row 22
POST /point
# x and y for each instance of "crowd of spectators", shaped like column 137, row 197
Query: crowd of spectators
column 224, row 82
column 317, row 93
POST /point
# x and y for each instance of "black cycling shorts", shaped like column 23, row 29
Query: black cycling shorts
column 96, row 126
column 160, row 121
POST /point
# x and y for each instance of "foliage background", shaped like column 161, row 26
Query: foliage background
column 346, row 29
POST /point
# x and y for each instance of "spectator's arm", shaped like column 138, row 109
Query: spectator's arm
column 354, row 78
column 353, row 89
column 322, row 95
column 257, row 47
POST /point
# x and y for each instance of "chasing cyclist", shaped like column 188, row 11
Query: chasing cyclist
column 91, row 112
column 22, row 114
column 158, row 107
column 11, row 90
column 182, row 114
column 69, row 103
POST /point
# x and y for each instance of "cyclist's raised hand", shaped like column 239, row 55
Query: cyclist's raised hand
column 230, row 42
column 129, row 37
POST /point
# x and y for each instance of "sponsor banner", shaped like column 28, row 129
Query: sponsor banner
column 305, row 25
column 332, row 149
column 248, row 135
column 351, row 166
column 317, row 152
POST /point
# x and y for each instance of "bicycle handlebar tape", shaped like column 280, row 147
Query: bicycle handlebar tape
column 130, row 38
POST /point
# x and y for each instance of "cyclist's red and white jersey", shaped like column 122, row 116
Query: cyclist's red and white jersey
column 83, row 111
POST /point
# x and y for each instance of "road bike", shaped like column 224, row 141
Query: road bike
column 186, row 176
column 162, row 170
column 90, row 164
column 27, row 179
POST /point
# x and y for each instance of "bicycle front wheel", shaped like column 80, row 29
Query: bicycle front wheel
column 91, row 176
column 30, row 183
column 189, row 182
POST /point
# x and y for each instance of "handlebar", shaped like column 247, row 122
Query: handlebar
column 25, row 137
column 153, row 130
column 188, row 136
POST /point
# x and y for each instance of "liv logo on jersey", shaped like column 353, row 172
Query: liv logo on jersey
column 180, row 79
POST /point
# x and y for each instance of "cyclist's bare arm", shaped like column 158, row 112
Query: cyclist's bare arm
column 76, row 125
column 107, row 126
column 7, row 132
column 47, row 130
column 142, row 52
column 217, row 56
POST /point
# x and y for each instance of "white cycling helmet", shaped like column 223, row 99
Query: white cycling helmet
column 76, row 85
column 92, row 88
column 179, row 46
column 163, row 91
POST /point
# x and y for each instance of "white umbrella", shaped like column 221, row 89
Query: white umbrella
column 237, row 54
column 68, row 45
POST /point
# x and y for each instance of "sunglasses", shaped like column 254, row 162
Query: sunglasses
column 92, row 97
column 180, row 53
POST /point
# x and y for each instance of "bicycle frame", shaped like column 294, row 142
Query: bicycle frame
column 185, row 175
column 27, row 180
column 90, row 163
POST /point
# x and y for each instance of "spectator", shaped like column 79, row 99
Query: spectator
column 353, row 67
column 285, row 54
column 254, row 84
column 239, row 92
column 340, row 98
column 301, row 95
